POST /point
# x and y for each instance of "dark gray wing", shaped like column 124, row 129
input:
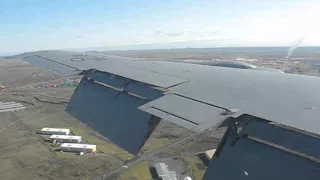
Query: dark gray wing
column 124, row 99
column 120, row 96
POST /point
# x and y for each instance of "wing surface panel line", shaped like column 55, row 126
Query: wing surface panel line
column 194, row 123
column 203, row 102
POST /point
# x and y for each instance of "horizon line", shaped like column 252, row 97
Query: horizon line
column 144, row 49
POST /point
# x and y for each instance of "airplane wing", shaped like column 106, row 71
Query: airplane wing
column 124, row 99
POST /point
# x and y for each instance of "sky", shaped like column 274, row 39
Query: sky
column 27, row 25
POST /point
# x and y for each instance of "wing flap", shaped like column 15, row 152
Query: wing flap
column 113, row 112
column 188, row 113
column 263, row 151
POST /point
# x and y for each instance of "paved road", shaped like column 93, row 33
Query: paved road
column 42, row 95
column 143, row 157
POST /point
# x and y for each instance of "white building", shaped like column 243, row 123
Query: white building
column 65, row 138
column 57, row 131
column 71, row 147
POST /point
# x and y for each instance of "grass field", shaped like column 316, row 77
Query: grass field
column 190, row 164
column 24, row 154
column 139, row 171
column 155, row 143
column 27, row 156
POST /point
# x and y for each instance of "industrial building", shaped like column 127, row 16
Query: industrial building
column 65, row 138
column 164, row 173
column 71, row 147
column 56, row 131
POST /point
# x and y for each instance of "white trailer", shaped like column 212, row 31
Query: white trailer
column 65, row 139
column 71, row 147
column 57, row 131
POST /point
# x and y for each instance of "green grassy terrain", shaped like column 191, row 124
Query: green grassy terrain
column 155, row 143
column 190, row 165
column 139, row 171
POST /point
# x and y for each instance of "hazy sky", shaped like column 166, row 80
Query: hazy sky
column 27, row 25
